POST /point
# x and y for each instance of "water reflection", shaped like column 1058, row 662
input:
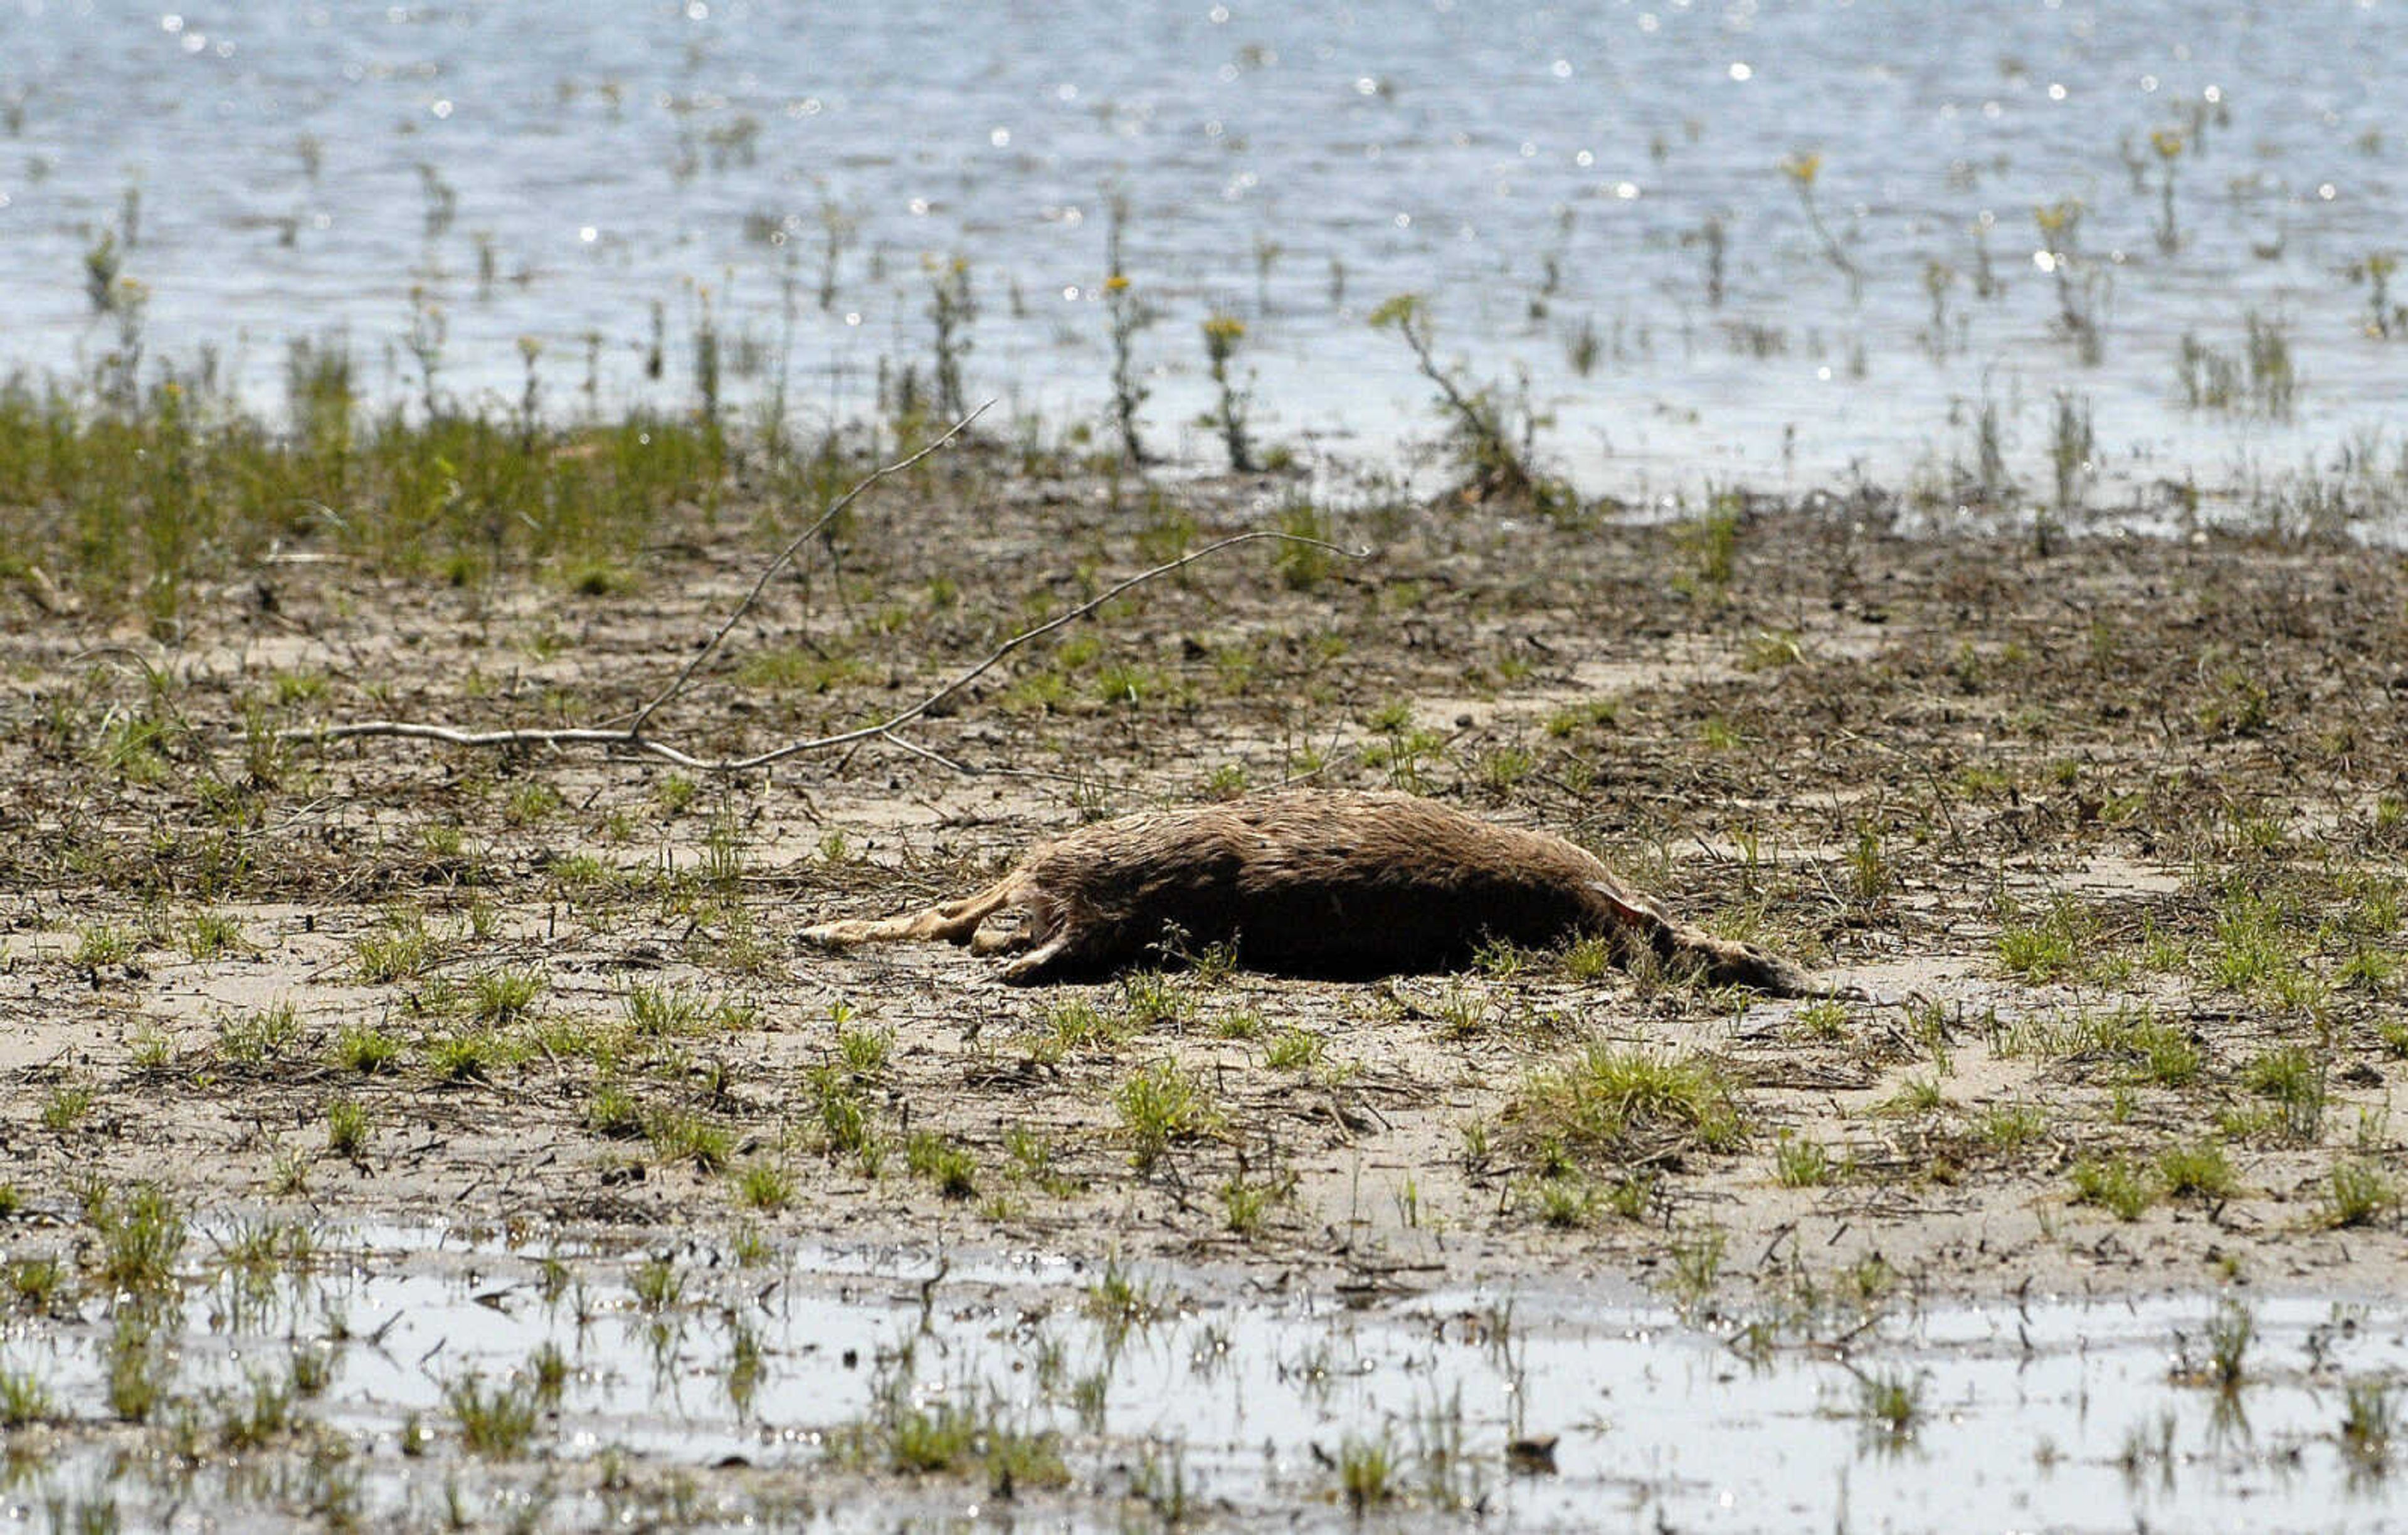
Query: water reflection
column 1544, row 1405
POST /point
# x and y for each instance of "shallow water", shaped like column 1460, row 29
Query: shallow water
column 2052, row 1414
column 553, row 171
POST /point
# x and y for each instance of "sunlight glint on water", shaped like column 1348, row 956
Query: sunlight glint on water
column 1573, row 183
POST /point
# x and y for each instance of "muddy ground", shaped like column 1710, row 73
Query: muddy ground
column 2106, row 834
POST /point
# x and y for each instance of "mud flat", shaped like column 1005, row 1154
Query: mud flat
column 401, row 1132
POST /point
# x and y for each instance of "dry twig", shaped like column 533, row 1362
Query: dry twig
column 632, row 738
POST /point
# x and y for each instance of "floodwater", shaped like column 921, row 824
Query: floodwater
column 1246, row 1400
column 1598, row 185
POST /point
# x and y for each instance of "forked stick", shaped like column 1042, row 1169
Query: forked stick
column 836, row 508
column 631, row 737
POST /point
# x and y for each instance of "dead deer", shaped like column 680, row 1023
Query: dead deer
column 1313, row 882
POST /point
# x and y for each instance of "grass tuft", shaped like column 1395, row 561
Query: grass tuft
column 1628, row 1104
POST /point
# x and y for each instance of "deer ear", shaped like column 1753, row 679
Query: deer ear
column 1637, row 910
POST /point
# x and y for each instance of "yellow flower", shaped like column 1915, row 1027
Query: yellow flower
column 1116, row 284
column 1224, row 327
column 1801, row 169
column 2056, row 217
column 2168, row 142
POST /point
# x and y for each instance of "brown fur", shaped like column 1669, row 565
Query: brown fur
column 1313, row 882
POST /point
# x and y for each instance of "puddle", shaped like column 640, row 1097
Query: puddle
column 691, row 1390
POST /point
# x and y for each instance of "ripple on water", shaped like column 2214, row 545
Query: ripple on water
column 1606, row 173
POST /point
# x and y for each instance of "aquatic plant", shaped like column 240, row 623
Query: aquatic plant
column 2071, row 448
column 2077, row 303
column 2385, row 320
column 1491, row 437
column 1222, row 334
column 952, row 307
column 2169, row 146
column 1802, row 168
column 1129, row 314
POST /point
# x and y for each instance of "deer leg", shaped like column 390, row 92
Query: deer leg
column 1041, row 963
column 955, row 922
column 989, row 942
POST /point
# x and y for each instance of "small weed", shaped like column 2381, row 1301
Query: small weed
column 1162, row 1104
column 2229, row 1332
column 2058, row 946
column 532, row 803
column 1872, row 876
column 1367, row 1472
column 25, row 1401
column 401, row 950
column 2356, row 1194
column 1800, row 1163
column 346, row 1128
column 864, row 1051
column 36, row 1283
column 2294, row 1078
column 1890, row 1404
column 1122, row 1301
column 1079, row 1027
column 255, row 1419
column 1710, row 546
column 1697, row 1264
column 495, row 1425
column 679, row 1135
column 1246, row 1205
column 210, row 935
column 1590, row 959
column 665, row 1012
column 1294, row 1050
column 64, row 1106
column 2114, row 1183
column 365, row 1050
column 2200, row 1169
column 766, row 1185
column 1567, row 1201
column 141, row 1234
column 1246, row 1024
column 844, row 1115
column 139, row 1366
column 657, row 1285
column 102, row 945
column 151, row 1049
column 1490, row 433
column 260, row 1038
column 961, row 1431
column 1622, row 1102
column 1153, row 1001
column 1596, row 713
column 2010, row 1126
column 2369, row 1420
column 472, row 1056
column 1768, row 650
column 614, row 1113
column 2142, row 1049
column 1916, row 1096
column 505, row 996
column 946, row 1163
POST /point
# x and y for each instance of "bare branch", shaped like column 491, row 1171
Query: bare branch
column 836, row 508
column 632, row 738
